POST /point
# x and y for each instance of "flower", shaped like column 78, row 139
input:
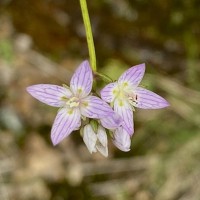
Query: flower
column 122, row 139
column 124, row 95
column 94, row 134
column 95, row 139
column 75, row 102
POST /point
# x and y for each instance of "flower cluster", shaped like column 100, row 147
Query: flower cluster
column 80, row 109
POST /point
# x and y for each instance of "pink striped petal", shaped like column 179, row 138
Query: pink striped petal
column 122, row 139
column 125, row 111
column 94, row 107
column 149, row 100
column 78, row 126
column 65, row 122
column 112, row 122
column 81, row 81
column 133, row 76
column 49, row 94
column 107, row 93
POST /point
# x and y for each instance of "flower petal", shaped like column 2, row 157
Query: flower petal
column 122, row 139
column 66, row 121
column 90, row 138
column 94, row 107
column 112, row 122
column 107, row 93
column 125, row 111
column 49, row 94
column 102, row 136
column 102, row 144
column 133, row 75
column 81, row 81
column 78, row 126
column 149, row 100
column 103, row 150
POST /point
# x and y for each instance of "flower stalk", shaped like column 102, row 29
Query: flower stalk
column 104, row 77
column 89, row 35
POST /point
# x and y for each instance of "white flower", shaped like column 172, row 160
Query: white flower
column 95, row 141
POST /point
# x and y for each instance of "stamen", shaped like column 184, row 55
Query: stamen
column 133, row 99
column 73, row 102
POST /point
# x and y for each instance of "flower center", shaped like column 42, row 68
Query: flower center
column 119, row 92
column 73, row 102
column 124, row 92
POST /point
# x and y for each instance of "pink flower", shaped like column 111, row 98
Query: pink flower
column 75, row 102
column 124, row 95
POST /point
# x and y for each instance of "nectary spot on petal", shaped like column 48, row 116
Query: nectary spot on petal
column 120, row 102
column 125, row 84
column 70, row 112
column 64, row 98
column 79, row 91
column 114, row 92
column 84, row 104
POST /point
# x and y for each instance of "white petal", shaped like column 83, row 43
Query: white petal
column 122, row 139
column 102, row 136
column 102, row 149
column 90, row 138
column 65, row 122
column 81, row 81
column 102, row 143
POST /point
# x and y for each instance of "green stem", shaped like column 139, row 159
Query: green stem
column 104, row 77
column 88, row 30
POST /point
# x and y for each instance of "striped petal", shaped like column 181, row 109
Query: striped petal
column 133, row 76
column 81, row 81
column 94, row 107
column 102, row 144
column 90, row 138
column 49, row 94
column 66, row 121
column 122, row 139
column 125, row 111
column 108, row 93
column 149, row 100
column 112, row 122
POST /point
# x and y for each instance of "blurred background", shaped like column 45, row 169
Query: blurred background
column 44, row 41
